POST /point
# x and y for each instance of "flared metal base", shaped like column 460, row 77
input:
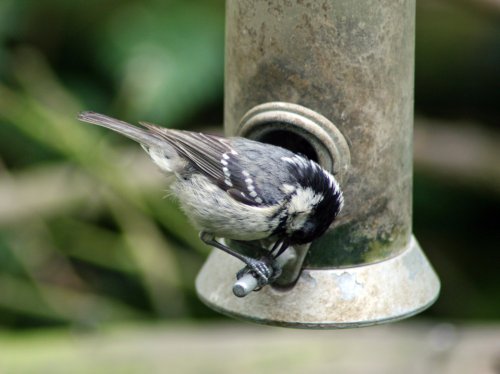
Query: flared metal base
column 370, row 294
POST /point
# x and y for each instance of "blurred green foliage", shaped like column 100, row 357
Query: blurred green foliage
column 457, row 59
column 85, row 234
column 122, row 251
column 456, row 217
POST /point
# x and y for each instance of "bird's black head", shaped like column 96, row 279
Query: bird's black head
column 314, row 203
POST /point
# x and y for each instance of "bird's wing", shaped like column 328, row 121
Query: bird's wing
column 213, row 157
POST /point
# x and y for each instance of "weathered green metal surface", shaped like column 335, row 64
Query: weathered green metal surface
column 352, row 62
column 345, row 67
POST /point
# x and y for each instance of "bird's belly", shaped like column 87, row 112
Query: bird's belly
column 213, row 210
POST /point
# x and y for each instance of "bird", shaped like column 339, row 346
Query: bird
column 239, row 189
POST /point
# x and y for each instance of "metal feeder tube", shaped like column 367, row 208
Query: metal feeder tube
column 332, row 80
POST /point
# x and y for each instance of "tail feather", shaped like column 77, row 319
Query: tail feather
column 140, row 135
column 159, row 148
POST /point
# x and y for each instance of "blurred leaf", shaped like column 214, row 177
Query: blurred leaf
column 71, row 306
column 50, row 121
column 167, row 58
column 93, row 244
column 457, row 58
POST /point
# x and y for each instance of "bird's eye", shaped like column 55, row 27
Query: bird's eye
column 300, row 233
column 308, row 228
column 300, row 236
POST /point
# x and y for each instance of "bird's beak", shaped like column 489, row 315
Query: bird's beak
column 140, row 135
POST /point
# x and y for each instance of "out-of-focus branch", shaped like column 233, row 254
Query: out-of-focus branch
column 48, row 189
column 462, row 151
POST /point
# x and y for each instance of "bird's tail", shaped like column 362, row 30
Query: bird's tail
column 158, row 148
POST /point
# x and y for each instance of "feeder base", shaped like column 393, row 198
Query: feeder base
column 349, row 297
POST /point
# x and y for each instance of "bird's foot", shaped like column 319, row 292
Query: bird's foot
column 265, row 271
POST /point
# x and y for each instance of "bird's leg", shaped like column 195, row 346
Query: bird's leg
column 250, row 248
column 263, row 269
column 276, row 245
column 279, row 247
column 269, row 257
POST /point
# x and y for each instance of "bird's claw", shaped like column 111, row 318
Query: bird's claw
column 265, row 270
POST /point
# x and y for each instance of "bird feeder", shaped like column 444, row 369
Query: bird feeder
column 332, row 80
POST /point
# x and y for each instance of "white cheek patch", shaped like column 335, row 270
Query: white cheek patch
column 297, row 222
column 304, row 200
column 300, row 207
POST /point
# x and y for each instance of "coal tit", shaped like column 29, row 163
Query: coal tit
column 239, row 189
